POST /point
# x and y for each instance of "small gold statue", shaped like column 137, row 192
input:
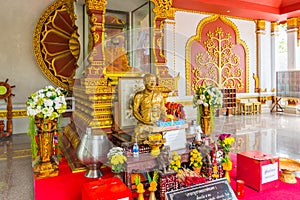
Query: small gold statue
column 148, row 107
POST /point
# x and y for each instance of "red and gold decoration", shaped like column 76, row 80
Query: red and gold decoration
column 56, row 44
column 175, row 109
column 188, row 177
column 216, row 56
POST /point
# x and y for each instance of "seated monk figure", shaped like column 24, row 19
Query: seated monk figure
column 116, row 60
column 148, row 106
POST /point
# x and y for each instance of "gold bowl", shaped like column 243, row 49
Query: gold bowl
column 155, row 141
column 288, row 167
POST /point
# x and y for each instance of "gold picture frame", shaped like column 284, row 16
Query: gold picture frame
column 127, row 87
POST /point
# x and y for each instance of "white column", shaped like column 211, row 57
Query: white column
column 169, row 33
column 274, row 53
column 260, row 32
column 293, row 51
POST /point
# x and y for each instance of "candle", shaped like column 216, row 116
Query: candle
column 240, row 189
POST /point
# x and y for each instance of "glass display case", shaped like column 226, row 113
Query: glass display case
column 127, row 34
column 142, row 21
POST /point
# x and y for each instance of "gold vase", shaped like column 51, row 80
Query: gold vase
column 152, row 195
column 227, row 175
column 141, row 196
column 45, row 166
column 205, row 120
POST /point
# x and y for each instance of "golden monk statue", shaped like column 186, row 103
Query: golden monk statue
column 116, row 57
column 148, row 107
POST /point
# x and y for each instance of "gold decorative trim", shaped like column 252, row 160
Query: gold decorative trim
column 163, row 9
column 260, row 25
column 197, row 37
column 96, row 4
column 292, row 23
column 15, row 113
column 274, row 27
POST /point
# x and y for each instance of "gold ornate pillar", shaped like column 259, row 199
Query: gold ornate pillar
column 163, row 10
column 96, row 11
column 260, row 31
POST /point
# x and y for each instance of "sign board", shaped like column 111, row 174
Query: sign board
column 176, row 139
column 218, row 190
column 269, row 173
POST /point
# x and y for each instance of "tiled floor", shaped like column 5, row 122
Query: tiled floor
column 273, row 133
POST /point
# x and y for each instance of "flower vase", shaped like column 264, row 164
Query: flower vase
column 45, row 166
column 152, row 195
column 205, row 119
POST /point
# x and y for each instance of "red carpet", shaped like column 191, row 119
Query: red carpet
column 65, row 186
column 284, row 191
column 68, row 186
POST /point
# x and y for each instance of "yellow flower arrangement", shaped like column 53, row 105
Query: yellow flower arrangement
column 116, row 159
column 175, row 162
column 225, row 141
column 195, row 158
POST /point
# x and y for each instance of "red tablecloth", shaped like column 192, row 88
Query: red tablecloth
column 65, row 186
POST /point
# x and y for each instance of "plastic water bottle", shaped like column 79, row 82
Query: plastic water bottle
column 135, row 150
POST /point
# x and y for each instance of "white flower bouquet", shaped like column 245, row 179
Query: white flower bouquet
column 48, row 102
column 208, row 96
column 206, row 99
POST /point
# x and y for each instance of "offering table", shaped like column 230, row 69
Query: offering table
column 146, row 163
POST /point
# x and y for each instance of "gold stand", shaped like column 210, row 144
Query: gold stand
column 288, row 167
column 287, row 177
column 205, row 120
column 46, row 166
column 155, row 141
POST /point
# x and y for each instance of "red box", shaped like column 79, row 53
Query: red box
column 258, row 170
column 106, row 189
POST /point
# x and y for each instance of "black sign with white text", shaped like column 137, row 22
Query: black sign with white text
column 214, row 190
